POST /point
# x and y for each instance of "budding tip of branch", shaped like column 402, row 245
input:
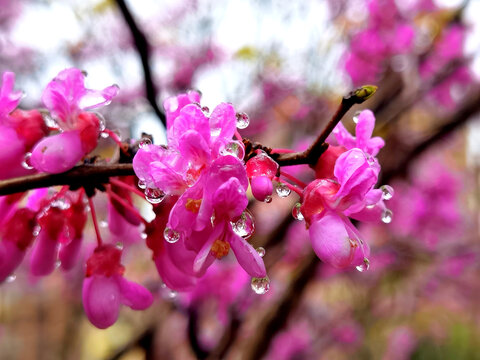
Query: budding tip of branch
column 364, row 93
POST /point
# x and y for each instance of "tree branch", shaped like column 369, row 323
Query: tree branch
column 143, row 49
column 79, row 176
column 318, row 147
column 459, row 118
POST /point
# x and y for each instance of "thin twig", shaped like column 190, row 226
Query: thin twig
column 143, row 49
column 457, row 119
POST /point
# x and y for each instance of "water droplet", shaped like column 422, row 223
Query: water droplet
column 57, row 264
column 172, row 294
column 370, row 206
column 244, row 226
column 261, row 251
column 296, row 212
column 103, row 224
column 104, row 135
column 36, row 230
column 242, row 120
column 365, row 266
column 356, row 117
column 26, row 161
column 143, row 236
column 268, row 199
column 171, row 235
column 119, row 245
column 260, row 285
column 387, row 216
column 154, row 196
column 49, row 121
column 61, row 204
column 11, row 278
column 101, row 121
column 283, row 190
column 144, row 142
column 387, row 192
column 142, row 184
column 234, row 148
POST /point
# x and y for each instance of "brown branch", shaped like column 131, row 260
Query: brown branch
column 278, row 314
column 318, row 147
column 79, row 176
column 457, row 119
column 143, row 49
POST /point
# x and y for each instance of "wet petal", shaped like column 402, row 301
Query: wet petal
column 101, row 300
column 134, row 295
column 247, row 256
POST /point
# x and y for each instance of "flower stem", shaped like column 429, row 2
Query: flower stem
column 294, row 179
column 127, row 187
column 126, row 205
column 95, row 224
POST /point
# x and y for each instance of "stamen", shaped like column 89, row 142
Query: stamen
column 220, row 248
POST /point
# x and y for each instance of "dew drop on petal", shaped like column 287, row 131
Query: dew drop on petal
column 234, row 148
column 57, row 264
column 244, row 226
column 365, row 266
column 296, row 212
column 26, row 163
column 119, row 245
column 387, row 216
column 104, row 135
column 356, row 116
column 154, row 196
column 36, row 230
column 283, row 190
column 171, row 235
column 268, row 199
column 11, row 278
column 103, row 224
column 172, row 294
column 144, row 142
column 387, row 192
column 143, row 236
column 142, row 184
column 261, row 251
column 242, row 120
column 101, row 120
column 260, row 285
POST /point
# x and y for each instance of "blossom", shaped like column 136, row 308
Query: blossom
column 105, row 288
column 67, row 99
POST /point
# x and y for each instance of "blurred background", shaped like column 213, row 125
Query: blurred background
column 287, row 65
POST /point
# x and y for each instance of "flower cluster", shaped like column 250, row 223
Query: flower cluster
column 198, row 188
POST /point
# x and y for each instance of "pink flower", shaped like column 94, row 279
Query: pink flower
column 66, row 97
column 9, row 99
column 17, row 235
column 105, row 288
column 44, row 252
column 261, row 169
column 363, row 140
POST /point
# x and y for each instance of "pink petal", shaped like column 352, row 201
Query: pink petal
column 101, row 300
column 69, row 253
column 44, row 254
column 261, row 187
column 331, row 241
column 230, row 200
column 191, row 117
column 223, row 118
column 58, row 153
column 194, row 148
column 204, row 259
column 10, row 258
column 172, row 276
column 247, row 256
column 134, row 295
column 9, row 99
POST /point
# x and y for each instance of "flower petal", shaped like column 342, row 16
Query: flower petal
column 246, row 255
column 101, row 300
column 134, row 295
